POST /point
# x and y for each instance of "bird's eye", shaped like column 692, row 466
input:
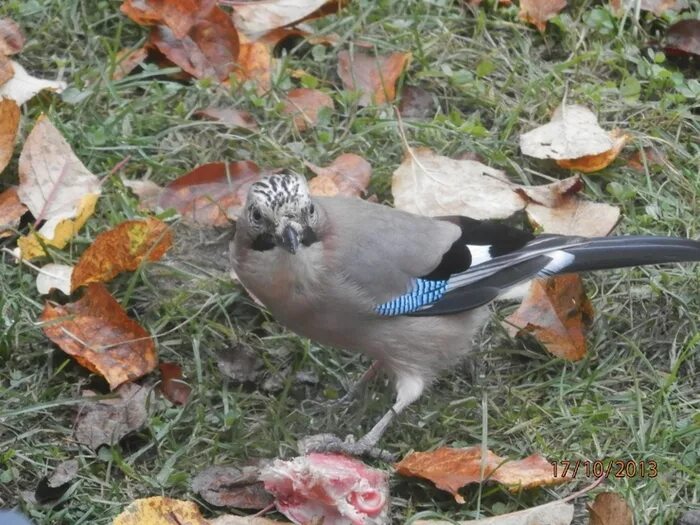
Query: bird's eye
column 312, row 209
column 256, row 215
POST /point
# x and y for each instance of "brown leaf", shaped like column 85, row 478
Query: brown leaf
column 11, row 37
column 122, row 249
column 106, row 421
column 173, row 385
column 683, row 38
column 453, row 468
column 649, row 156
column 213, row 193
column 592, row 163
column 179, row 15
column 658, row 7
column 99, row 335
column 9, row 124
column 257, row 18
column 7, row 71
column 304, row 104
column 556, row 312
column 417, row 103
column 255, row 64
column 347, row 175
column 610, row 509
column 537, row 12
column 56, row 187
column 232, row 487
column 374, row 77
column 11, row 211
column 53, row 487
column 159, row 510
column 229, row 116
column 209, row 50
column 127, row 60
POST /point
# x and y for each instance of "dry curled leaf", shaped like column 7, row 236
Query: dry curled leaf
column 556, row 311
column 231, row 117
column 232, row 487
column 56, row 187
column 658, row 7
column 99, row 335
column 127, row 60
column 416, row 102
column 573, row 132
column 159, row 510
column 121, row 249
column 11, row 211
column 347, row 175
column 683, row 38
column 54, row 276
column 592, row 163
column 537, row 12
column 53, row 487
column 255, row 65
column 610, row 508
column 178, row 15
column 106, row 421
column 11, row 37
column 453, row 468
column 173, row 385
column 22, row 86
column 304, row 104
column 374, row 77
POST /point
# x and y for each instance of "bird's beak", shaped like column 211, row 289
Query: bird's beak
column 290, row 239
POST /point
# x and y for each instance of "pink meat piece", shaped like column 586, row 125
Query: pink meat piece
column 343, row 490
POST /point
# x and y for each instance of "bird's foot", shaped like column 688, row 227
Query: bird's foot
column 332, row 443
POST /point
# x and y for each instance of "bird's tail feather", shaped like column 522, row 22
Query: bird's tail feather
column 603, row 253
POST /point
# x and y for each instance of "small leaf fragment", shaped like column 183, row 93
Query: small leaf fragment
column 537, row 12
column 54, row 276
column 121, row 249
column 22, row 86
column 592, row 163
column 229, row 116
column 11, row 211
column 347, row 175
column 227, row 486
column 610, row 508
column 127, row 60
column 683, row 38
column 11, row 37
column 53, row 487
column 556, row 311
column 100, row 336
column 375, row 77
column 9, row 124
column 173, row 386
column 304, row 104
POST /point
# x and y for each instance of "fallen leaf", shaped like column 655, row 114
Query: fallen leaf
column 304, row 105
column 56, row 187
column 127, row 60
column 9, row 124
column 22, row 86
column 658, row 7
column 11, row 211
column 209, row 50
column 554, row 513
column 416, row 102
column 232, row 487
column 6, row 69
column 591, row 163
column 213, row 193
column 240, row 363
column 556, row 311
column 121, row 249
column 683, row 38
column 537, row 12
column 347, row 175
column 99, row 335
column 107, row 421
column 374, row 77
column 147, row 191
column 173, row 385
column 11, row 37
column 53, row 487
column 610, row 508
column 230, row 519
column 159, row 510
column 54, row 276
column 257, row 18
column 255, row 65
column 689, row 517
column 649, row 156
column 572, row 133
column 179, row 15
column 453, row 468
column 229, row 116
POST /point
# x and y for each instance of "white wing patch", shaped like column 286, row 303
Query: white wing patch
column 480, row 253
column 560, row 260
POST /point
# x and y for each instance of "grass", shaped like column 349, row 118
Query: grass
column 635, row 396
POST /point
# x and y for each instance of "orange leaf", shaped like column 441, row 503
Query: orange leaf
column 11, row 37
column 173, row 386
column 453, row 468
column 213, row 193
column 209, row 50
column 610, row 508
column 255, row 63
column 229, row 116
column 7, row 70
column 374, row 77
column 127, row 60
column 98, row 333
column 349, row 175
column 9, row 123
column 178, row 15
column 556, row 312
column 537, row 12
column 121, row 249
column 304, row 105
column 591, row 163
column 11, row 211
column 159, row 510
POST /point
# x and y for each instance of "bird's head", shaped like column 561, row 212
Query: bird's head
column 280, row 212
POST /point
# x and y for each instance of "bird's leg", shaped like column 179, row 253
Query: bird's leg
column 358, row 385
column 408, row 389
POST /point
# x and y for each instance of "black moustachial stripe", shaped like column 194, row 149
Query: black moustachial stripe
column 502, row 239
column 308, row 237
column 263, row 242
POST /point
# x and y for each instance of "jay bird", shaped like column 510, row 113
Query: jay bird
column 408, row 291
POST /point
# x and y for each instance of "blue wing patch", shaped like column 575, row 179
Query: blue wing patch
column 423, row 292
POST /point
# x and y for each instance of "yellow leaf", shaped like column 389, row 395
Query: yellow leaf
column 160, row 511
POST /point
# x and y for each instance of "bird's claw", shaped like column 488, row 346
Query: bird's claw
column 332, row 443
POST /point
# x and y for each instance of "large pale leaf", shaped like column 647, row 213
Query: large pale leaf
column 22, row 86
